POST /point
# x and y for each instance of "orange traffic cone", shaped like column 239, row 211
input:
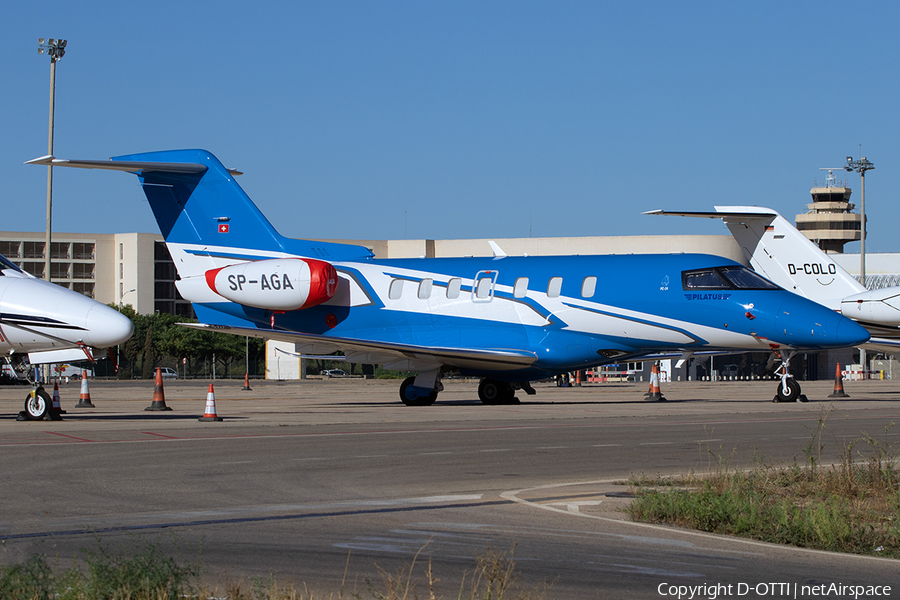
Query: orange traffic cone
column 655, row 393
column 838, row 384
column 246, row 382
column 57, row 407
column 84, row 400
column 210, row 414
column 159, row 397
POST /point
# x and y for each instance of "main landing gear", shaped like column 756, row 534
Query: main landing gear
column 788, row 389
column 413, row 395
column 422, row 390
column 491, row 391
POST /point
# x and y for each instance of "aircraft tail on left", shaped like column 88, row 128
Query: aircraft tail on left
column 197, row 203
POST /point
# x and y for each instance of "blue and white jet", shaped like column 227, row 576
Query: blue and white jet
column 509, row 320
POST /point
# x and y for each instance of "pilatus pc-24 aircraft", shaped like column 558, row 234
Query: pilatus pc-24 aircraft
column 509, row 320
column 43, row 323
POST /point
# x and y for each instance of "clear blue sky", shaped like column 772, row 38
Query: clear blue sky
column 360, row 119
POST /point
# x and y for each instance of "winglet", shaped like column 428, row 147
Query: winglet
column 498, row 252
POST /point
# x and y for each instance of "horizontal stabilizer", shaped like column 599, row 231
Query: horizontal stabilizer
column 120, row 165
column 729, row 212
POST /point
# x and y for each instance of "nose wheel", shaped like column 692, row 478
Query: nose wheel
column 37, row 405
column 788, row 389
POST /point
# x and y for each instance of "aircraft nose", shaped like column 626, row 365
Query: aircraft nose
column 802, row 323
column 851, row 333
column 108, row 327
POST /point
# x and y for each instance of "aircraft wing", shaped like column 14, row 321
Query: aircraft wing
column 886, row 345
column 398, row 356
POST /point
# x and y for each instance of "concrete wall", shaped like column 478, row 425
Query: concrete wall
column 279, row 365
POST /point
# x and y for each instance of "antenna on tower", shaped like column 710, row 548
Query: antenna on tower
column 831, row 181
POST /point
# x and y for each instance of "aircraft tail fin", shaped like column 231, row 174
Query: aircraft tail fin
column 196, row 201
column 777, row 250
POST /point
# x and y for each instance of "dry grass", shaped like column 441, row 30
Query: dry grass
column 850, row 506
column 148, row 575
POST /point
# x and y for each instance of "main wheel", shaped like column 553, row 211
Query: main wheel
column 38, row 405
column 426, row 400
column 496, row 392
column 793, row 391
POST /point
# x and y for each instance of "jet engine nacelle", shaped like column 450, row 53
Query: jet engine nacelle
column 874, row 306
column 275, row 284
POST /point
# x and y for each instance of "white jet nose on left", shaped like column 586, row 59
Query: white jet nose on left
column 106, row 327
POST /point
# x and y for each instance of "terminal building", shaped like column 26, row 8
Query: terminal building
column 136, row 268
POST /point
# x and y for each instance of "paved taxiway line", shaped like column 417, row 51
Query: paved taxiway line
column 81, row 526
column 603, row 487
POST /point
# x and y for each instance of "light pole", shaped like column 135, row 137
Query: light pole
column 119, row 346
column 123, row 294
column 56, row 49
column 861, row 166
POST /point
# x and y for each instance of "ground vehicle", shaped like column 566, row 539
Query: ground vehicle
column 730, row 371
column 334, row 373
column 168, row 373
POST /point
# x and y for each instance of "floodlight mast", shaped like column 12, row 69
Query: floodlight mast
column 56, row 49
column 861, row 166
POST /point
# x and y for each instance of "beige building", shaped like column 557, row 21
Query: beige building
column 119, row 268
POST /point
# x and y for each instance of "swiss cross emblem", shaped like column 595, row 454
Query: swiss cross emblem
column 223, row 228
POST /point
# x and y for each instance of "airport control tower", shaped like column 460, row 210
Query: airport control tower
column 830, row 222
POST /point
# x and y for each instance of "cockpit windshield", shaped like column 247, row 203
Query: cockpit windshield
column 6, row 264
column 734, row 277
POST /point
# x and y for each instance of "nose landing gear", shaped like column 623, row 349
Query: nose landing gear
column 788, row 389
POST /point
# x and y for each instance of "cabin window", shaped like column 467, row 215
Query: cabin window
column 396, row 289
column 520, row 288
column 483, row 289
column 588, row 287
column 425, row 289
column 453, row 288
column 554, row 287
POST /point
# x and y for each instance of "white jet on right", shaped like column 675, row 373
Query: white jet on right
column 778, row 251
